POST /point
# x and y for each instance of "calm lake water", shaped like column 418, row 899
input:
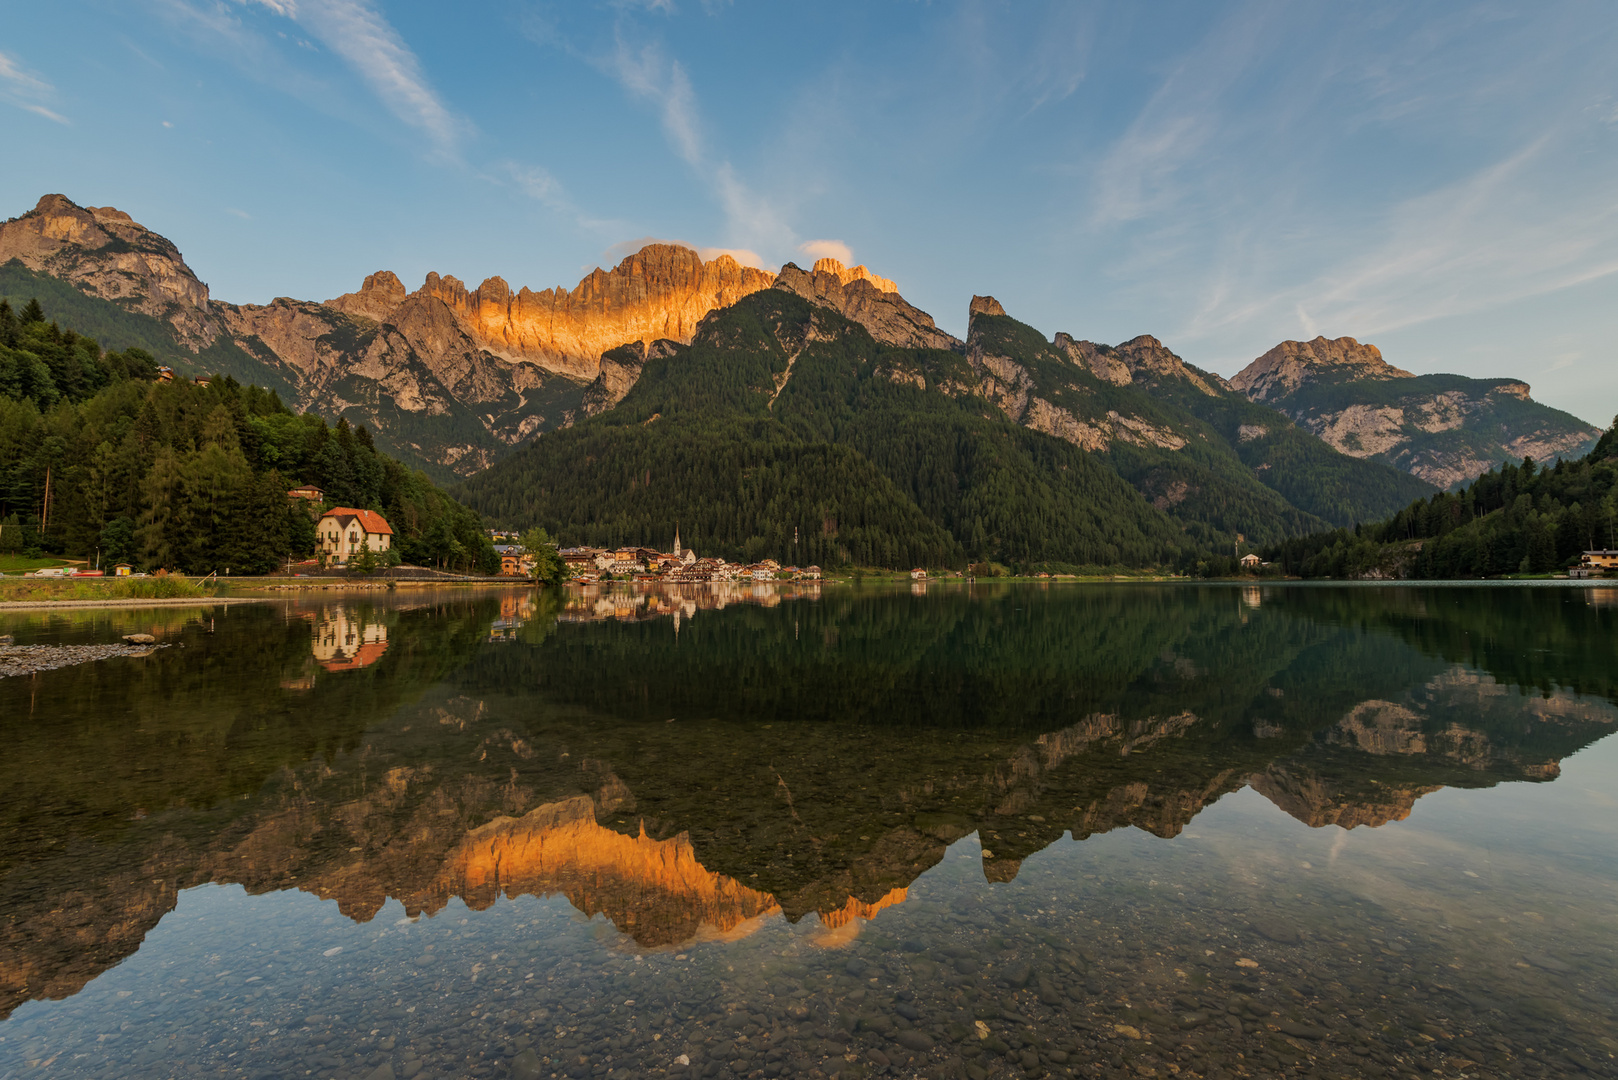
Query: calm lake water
column 945, row 832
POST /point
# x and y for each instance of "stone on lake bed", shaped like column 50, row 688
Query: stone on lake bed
column 140, row 639
column 1280, row 933
column 1548, row 963
column 525, row 1066
column 914, row 1040
column 383, row 1071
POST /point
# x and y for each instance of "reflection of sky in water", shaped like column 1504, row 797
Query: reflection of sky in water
column 1478, row 930
column 823, row 837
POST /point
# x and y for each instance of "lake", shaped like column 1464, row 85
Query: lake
column 945, row 830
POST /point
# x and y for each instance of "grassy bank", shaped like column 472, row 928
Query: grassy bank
column 34, row 590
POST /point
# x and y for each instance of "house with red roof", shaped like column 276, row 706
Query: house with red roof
column 344, row 531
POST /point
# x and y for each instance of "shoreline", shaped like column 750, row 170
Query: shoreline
column 177, row 601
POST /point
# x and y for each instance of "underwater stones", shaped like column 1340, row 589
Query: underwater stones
column 914, row 1040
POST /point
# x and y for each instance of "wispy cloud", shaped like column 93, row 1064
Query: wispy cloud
column 651, row 76
column 25, row 90
column 356, row 31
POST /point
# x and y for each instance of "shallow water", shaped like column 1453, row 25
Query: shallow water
column 1063, row 830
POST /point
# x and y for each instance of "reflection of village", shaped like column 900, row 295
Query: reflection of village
column 680, row 566
column 638, row 603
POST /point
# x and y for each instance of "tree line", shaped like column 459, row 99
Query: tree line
column 100, row 455
column 1517, row 519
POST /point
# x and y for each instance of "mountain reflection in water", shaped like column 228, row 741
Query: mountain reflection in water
column 691, row 761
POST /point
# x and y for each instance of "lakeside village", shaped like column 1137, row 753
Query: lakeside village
column 355, row 540
column 678, row 566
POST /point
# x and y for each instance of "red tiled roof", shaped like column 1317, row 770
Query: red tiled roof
column 369, row 520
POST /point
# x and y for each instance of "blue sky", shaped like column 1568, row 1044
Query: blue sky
column 1439, row 179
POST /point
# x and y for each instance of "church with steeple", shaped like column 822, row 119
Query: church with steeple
column 684, row 555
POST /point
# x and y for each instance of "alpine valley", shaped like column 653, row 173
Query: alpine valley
column 811, row 414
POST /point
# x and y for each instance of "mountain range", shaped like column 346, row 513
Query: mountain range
column 461, row 382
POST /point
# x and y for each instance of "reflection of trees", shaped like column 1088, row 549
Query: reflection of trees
column 822, row 756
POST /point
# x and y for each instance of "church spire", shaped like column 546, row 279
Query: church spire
column 677, row 551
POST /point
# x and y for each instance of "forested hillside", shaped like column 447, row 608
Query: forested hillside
column 182, row 476
column 1518, row 519
column 785, row 430
column 1214, row 461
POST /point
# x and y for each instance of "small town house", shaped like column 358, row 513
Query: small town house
column 344, row 532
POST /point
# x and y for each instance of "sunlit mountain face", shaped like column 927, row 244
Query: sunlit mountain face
column 937, row 784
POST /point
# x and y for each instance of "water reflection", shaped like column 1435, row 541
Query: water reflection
column 775, row 778
column 346, row 638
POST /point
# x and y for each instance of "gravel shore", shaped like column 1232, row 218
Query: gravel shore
column 203, row 601
column 27, row 659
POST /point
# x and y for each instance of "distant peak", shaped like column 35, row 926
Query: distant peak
column 377, row 298
column 984, row 305
column 1293, row 363
column 848, row 276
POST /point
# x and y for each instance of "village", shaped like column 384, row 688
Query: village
column 678, row 566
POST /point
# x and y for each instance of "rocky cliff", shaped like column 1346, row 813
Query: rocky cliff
column 1445, row 429
column 871, row 301
column 661, row 291
column 107, row 254
column 1291, row 364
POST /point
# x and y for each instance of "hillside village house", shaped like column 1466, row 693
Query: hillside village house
column 307, row 491
column 344, row 532
column 1250, row 561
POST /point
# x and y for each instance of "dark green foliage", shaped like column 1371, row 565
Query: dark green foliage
column 189, row 477
column 1518, row 519
column 780, row 432
column 116, row 327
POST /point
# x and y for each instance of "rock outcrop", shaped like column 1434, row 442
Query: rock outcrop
column 1045, row 392
column 1293, row 363
column 1142, row 359
column 620, row 370
column 378, row 297
column 871, row 301
column 107, row 254
column 1445, row 429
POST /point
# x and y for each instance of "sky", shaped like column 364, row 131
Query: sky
column 1439, row 179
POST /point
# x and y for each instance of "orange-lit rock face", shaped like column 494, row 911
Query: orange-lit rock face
column 661, row 291
column 653, row 890
column 849, row 275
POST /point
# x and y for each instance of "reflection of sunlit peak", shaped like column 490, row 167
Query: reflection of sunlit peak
column 858, row 909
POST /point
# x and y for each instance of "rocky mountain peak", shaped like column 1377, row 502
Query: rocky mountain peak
column 848, row 276
column 1292, row 363
column 984, row 305
column 1140, row 359
column 377, row 298
column 879, row 308
column 107, row 254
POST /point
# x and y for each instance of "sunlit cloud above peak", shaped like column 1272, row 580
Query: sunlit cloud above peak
column 827, row 249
